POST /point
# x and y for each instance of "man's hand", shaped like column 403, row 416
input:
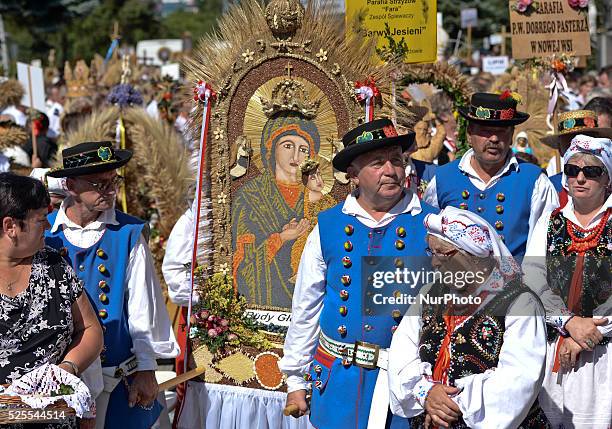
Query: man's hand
column 442, row 409
column 143, row 389
column 584, row 331
column 568, row 354
column 297, row 398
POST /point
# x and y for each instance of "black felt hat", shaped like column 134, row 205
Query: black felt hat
column 497, row 110
column 367, row 137
column 91, row 158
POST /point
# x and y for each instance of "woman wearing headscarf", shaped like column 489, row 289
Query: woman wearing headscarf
column 477, row 361
column 268, row 212
column 568, row 265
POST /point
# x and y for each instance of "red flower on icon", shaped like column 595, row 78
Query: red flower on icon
column 589, row 122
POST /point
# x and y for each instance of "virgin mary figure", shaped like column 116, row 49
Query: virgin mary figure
column 268, row 212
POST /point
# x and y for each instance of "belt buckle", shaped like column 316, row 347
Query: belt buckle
column 368, row 348
column 126, row 367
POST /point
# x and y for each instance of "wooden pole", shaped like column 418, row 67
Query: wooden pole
column 115, row 34
column 34, row 145
column 503, row 43
column 186, row 376
column 457, row 41
column 469, row 44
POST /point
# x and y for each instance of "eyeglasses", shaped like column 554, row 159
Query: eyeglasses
column 441, row 255
column 589, row 171
column 106, row 186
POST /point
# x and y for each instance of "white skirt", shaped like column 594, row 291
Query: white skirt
column 582, row 397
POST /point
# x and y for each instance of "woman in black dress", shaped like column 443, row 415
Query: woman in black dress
column 44, row 315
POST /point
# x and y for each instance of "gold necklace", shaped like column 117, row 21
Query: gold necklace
column 9, row 285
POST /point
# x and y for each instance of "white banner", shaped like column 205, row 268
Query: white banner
column 31, row 78
column 469, row 17
column 495, row 65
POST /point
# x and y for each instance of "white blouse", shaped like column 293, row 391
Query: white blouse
column 498, row 398
column 176, row 266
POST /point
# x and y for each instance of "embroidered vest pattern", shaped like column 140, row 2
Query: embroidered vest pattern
column 561, row 264
column 475, row 346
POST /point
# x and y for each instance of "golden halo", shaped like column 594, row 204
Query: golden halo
column 255, row 119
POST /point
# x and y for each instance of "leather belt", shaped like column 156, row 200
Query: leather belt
column 127, row 367
column 359, row 353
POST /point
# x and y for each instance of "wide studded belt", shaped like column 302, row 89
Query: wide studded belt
column 127, row 367
column 359, row 353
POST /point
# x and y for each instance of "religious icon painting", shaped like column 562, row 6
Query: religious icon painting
column 284, row 77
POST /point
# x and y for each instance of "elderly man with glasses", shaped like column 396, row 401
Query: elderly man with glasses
column 108, row 250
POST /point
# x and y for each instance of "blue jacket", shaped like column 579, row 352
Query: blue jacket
column 102, row 267
column 506, row 205
column 342, row 394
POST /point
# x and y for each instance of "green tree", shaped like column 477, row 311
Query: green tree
column 198, row 24
column 137, row 20
column 36, row 26
column 492, row 14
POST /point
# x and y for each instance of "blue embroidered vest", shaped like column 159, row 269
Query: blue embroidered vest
column 343, row 393
column 506, row 205
column 102, row 267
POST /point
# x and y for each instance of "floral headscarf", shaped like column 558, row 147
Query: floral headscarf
column 598, row 147
column 470, row 232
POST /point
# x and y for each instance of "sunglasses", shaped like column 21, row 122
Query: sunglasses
column 589, row 171
column 106, row 186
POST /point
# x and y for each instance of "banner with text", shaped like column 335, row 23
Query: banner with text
column 548, row 27
column 412, row 20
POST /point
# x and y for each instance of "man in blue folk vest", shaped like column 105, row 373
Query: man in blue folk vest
column 109, row 252
column 489, row 180
column 335, row 343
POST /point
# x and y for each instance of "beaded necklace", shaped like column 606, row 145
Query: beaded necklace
column 590, row 237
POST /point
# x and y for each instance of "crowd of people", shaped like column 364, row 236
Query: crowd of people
column 531, row 352
column 79, row 287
